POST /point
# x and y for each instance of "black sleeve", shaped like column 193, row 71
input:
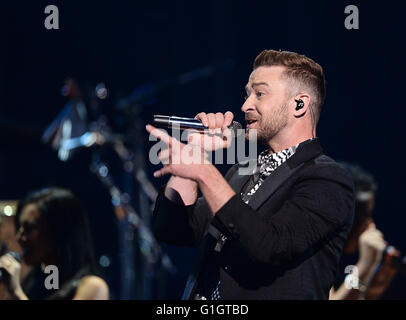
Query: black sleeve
column 316, row 208
column 182, row 225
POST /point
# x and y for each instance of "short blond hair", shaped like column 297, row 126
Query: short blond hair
column 301, row 70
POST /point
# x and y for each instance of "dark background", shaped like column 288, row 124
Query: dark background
column 127, row 44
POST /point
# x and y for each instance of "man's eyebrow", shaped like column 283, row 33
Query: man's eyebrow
column 260, row 84
column 256, row 84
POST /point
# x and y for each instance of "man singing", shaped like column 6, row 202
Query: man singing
column 279, row 232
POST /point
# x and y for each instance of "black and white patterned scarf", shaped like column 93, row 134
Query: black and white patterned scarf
column 267, row 163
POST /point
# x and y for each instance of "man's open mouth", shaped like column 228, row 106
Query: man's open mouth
column 251, row 122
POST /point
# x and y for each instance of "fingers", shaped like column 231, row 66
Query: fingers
column 227, row 137
column 11, row 258
column 208, row 119
column 228, row 118
column 213, row 140
column 8, row 263
column 214, row 121
column 219, row 120
column 373, row 232
column 373, row 238
column 164, row 171
column 196, row 138
column 202, row 116
column 165, row 156
column 161, row 135
column 6, row 260
column 4, row 263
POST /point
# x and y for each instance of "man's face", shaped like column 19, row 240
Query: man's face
column 266, row 107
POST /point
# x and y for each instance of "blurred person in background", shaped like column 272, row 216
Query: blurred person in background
column 366, row 248
column 52, row 230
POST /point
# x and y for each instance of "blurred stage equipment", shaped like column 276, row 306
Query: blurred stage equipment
column 70, row 123
column 68, row 134
column 8, row 208
column 142, row 260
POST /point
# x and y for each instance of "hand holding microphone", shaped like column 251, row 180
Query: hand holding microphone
column 218, row 120
column 10, row 268
column 201, row 122
column 185, row 160
column 210, row 131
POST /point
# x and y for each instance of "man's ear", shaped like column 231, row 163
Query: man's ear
column 301, row 105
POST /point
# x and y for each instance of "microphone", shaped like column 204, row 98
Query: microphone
column 3, row 273
column 187, row 123
column 86, row 140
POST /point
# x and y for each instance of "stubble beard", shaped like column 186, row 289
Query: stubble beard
column 270, row 127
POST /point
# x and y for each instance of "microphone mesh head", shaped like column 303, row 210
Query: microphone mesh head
column 235, row 126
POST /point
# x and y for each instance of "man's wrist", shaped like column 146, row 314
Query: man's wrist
column 214, row 188
column 181, row 191
column 207, row 175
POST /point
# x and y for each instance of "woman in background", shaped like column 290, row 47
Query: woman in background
column 53, row 230
column 365, row 247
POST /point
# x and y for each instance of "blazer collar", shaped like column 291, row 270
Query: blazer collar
column 237, row 180
column 306, row 151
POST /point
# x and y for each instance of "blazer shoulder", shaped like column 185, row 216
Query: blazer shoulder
column 324, row 167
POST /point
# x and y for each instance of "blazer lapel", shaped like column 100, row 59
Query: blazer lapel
column 237, row 181
column 271, row 184
column 306, row 151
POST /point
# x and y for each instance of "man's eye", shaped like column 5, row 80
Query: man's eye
column 259, row 94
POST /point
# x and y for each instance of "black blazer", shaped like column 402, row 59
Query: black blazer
column 286, row 244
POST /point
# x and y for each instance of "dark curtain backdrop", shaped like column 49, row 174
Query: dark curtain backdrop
column 127, row 44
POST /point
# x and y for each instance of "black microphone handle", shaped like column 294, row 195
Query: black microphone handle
column 186, row 123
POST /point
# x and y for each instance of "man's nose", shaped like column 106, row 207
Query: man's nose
column 248, row 105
